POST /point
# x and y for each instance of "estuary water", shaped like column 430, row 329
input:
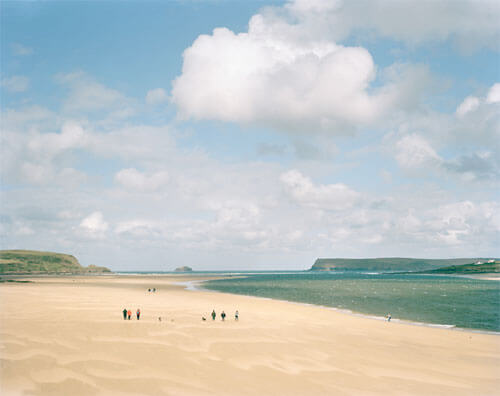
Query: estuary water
column 441, row 300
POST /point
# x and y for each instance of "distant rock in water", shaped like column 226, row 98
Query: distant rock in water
column 388, row 264
column 35, row 262
column 183, row 269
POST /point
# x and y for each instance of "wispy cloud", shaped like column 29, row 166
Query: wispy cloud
column 16, row 84
column 85, row 95
column 156, row 96
column 21, row 50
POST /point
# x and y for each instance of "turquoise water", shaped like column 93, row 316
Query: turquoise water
column 444, row 300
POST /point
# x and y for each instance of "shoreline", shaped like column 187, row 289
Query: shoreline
column 191, row 285
column 194, row 286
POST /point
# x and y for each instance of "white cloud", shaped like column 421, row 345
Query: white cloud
column 329, row 197
column 43, row 157
column 47, row 173
column 454, row 223
column 409, row 223
column 16, row 83
column 288, row 71
column 68, row 215
column 140, row 228
column 87, row 95
column 145, row 143
column 132, row 179
column 494, row 94
column 36, row 173
column 272, row 76
column 472, row 127
column 414, row 152
column 94, row 225
column 24, row 118
column 470, row 103
column 71, row 136
column 39, row 158
column 237, row 214
column 240, row 213
column 477, row 122
column 470, row 24
column 156, row 96
column 475, row 166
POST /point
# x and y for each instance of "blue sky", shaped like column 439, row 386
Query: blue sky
column 136, row 136
column 113, row 41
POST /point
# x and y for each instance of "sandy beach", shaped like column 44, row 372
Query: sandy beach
column 66, row 336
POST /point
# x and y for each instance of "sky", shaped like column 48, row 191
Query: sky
column 249, row 135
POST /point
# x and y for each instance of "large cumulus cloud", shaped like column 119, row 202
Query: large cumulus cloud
column 289, row 71
column 272, row 76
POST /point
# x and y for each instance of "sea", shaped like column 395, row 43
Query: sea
column 433, row 300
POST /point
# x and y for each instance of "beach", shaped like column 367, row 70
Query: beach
column 67, row 336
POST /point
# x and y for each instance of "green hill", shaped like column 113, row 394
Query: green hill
column 35, row 262
column 483, row 268
column 388, row 264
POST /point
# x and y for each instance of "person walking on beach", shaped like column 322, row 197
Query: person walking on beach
column 236, row 315
column 124, row 313
column 129, row 314
column 388, row 317
column 213, row 314
column 138, row 313
column 223, row 315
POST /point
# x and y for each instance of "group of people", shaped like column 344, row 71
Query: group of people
column 223, row 315
column 127, row 313
column 152, row 290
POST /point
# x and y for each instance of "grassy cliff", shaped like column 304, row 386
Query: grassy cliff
column 34, row 262
column 388, row 264
column 484, row 268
